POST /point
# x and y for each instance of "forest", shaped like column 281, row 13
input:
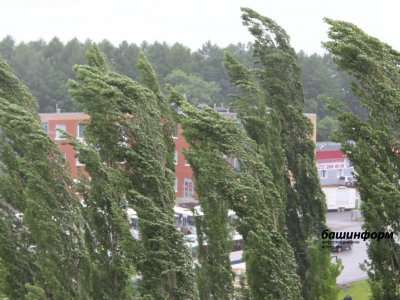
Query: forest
column 45, row 67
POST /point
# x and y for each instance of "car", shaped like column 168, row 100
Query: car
column 351, row 183
column 338, row 245
column 343, row 179
column 191, row 238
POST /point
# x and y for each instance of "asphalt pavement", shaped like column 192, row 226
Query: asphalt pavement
column 351, row 259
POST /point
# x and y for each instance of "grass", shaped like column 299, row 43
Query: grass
column 358, row 290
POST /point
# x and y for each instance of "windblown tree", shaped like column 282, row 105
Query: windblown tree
column 42, row 249
column 373, row 145
column 214, row 275
column 271, row 107
column 250, row 192
column 131, row 129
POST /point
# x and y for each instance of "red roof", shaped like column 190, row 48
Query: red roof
column 330, row 154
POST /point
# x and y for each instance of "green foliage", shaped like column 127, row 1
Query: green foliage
column 250, row 192
column 321, row 80
column 148, row 76
column 128, row 127
column 41, row 219
column 11, row 88
column 326, row 127
column 321, row 273
column 358, row 290
column 96, row 59
column 45, row 68
column 34, row 293
column 271, row 106
column 214, row 275
column 3, row 280
column 372, row 145
column 195, row 89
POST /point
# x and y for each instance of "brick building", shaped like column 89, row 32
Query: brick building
column 184, row 186
column 73, row 123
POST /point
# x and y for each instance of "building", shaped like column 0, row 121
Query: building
column 74, row 124
column 332, row 163
column 184, row 186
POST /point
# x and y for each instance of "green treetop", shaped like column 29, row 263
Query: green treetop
column 250, row 192
column 126, row 127
column 372, row 145
column 271, row 106
column 42, row 247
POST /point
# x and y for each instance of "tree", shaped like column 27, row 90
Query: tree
column 42, row 247
column 214, row 275
column 271, row 105
column 124, row 60
column 322, row 81
column 250, row 192
column 326, row 127
column 128, row 127
column 195, row 89
column 7, row 47
column 372, row 144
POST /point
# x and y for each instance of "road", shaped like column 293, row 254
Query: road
column 351, row 259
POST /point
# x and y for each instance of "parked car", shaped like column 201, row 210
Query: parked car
column 343, row 179
column 351, row 183
column 191, row 238
column 341, row 244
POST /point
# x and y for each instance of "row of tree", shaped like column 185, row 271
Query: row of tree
column 45, row 67
column 51, row 247
column 68, row 251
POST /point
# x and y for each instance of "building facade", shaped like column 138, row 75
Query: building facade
column 184, row 185
column 74, row 123
column 332, row 163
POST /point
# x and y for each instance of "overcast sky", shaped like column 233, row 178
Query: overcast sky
column 191, row 22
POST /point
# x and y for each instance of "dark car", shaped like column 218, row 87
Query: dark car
column 341, row 244
column 351, row 183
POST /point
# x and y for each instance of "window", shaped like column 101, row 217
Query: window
column 176, row 184
column 78, row 163
column 80, row 131
column 236, row 164
column 175, row 134
column 188, row 189
column 59, row 131
column 176, row 157
column 237, row 278
column 323, row 174
column 186, row 163
column 233, row 161
column 340, row 172
column 63, row 159
column 45, row 126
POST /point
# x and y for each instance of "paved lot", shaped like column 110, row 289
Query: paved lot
column 351, row 259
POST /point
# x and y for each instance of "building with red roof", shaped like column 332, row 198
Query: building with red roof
column 332, row 163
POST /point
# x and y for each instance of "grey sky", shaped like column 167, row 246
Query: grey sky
column 191, row 22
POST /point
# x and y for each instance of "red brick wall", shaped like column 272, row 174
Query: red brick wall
column 182, row 170
column 71, row 120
